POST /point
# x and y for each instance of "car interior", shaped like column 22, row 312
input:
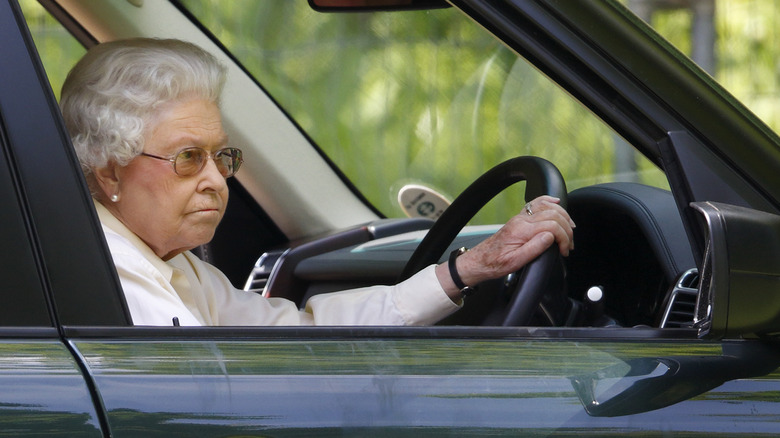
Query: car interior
column 297, row 225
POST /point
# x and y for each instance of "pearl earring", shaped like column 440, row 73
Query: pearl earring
column 114, row 197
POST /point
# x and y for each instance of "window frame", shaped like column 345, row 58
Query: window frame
column 74, row 264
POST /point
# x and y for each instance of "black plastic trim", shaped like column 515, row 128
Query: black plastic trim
column 76, row 263
column 408, row 5
column 338, row 333
column 29, row 333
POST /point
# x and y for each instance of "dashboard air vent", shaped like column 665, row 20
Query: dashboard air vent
column 262, row 271
column 681, row 302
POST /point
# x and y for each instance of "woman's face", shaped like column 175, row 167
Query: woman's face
column 171, row 213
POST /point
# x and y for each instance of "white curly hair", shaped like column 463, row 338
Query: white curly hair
column 113, row 94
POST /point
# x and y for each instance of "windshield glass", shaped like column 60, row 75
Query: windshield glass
column 422, row 97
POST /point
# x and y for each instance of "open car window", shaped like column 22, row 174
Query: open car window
column 429, row 97
column 465, row 104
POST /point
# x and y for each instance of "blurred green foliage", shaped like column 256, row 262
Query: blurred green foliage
column 422, row 97
column 58, row 50
column 429, row 97
column 747, row 50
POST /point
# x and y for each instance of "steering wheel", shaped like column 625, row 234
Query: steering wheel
column 542, row 178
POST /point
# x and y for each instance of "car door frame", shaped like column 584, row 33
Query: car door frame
column 54, row 247
column 79, row 274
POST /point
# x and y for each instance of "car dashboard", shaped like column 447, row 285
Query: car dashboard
column 629, row 241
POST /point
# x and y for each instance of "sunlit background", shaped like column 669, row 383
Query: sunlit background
column 430, row 98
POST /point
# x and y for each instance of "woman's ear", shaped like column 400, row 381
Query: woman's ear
column 107, row 179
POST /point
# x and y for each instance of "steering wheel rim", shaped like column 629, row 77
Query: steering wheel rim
column 542, row 178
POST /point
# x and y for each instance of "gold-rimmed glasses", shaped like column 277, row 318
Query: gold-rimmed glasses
column 190, row 161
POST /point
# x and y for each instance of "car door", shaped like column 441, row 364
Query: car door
column 438, row 381
column 430, row 382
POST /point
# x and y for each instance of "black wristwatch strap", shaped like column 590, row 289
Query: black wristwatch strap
column 465, row 290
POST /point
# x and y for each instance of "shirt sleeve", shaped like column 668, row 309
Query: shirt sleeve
column 195, row 293
column 420, row 300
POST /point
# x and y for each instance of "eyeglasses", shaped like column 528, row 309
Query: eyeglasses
column 190, row 161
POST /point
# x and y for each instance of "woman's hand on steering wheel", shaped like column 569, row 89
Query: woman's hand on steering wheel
column 523, row 238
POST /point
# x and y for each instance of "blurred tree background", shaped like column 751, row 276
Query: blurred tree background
column 399, row 98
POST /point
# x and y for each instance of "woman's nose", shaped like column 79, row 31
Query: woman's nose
column 212, row 175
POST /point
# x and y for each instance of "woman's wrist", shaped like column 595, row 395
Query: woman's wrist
column 455, row 275
column 452, row 266
column 445, row 280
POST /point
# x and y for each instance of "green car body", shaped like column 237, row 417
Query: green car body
column 71, row 364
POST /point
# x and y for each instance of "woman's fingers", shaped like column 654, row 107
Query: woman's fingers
column 547, row 208
column 523, row 238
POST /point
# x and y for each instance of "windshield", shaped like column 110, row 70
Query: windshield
column 422, row 97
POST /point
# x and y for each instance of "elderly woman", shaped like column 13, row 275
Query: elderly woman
column 144, row 118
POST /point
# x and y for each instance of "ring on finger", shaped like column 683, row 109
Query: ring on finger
column 528, row 209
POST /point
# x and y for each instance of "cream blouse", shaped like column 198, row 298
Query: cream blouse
column 198, row 294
